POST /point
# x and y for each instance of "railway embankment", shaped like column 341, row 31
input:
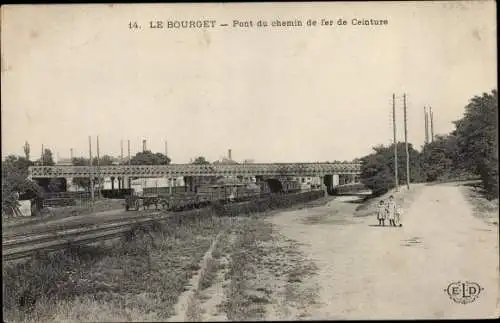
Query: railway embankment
column 140, row 276
column 59, row 214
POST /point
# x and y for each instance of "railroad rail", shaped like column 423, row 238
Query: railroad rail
column 177, row 170
column 26, row 246
column 52, row 228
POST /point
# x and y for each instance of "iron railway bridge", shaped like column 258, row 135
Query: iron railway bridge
column 174, row 170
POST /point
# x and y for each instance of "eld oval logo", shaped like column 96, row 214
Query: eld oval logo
column 463, row 292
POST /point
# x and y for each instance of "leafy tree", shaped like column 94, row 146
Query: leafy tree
column 477, row 138
column 47, row 159
column 15, row 181
column 376, row 174
column 440, row 158
column 84, row 182
column 149, row 158
column 200, row 160
column 16, row 164
column 105, row 160
column 80, row 161
column 225, row 161
column 377, row 171
column 27, row 150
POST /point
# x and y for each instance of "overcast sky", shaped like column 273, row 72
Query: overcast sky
column 275, row 94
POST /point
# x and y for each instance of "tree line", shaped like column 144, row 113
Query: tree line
column 470, row 150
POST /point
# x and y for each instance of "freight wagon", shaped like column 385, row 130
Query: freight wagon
column 203, row 195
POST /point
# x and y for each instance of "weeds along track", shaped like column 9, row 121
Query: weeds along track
column 54, row 228
column 51, row 228
column 54, row 239
column 21, row 248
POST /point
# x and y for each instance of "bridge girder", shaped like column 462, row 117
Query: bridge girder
column 177, row 170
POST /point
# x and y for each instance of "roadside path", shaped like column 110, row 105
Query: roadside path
column 371, row 272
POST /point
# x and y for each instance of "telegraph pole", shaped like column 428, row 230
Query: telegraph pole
column 170, row 182
column 121, row 150
column 406, row 145
column 432, row 124
column 426, row 126
column 90, row 171
column 98, row 170
column 41, row 158
column 395, row 143
column 129, row 168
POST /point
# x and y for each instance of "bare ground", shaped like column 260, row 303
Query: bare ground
column 328, row 260
column 370, row 272
column 256, row 274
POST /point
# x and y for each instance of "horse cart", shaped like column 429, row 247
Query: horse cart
column 136, row 202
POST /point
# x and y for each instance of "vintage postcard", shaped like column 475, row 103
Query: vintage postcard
column 250, row 161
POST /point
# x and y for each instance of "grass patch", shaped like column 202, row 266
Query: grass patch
column 140, row 276
column 209, row 275
column 137, row 278
column 261, row 261
column 245, row 301
column 482, row 207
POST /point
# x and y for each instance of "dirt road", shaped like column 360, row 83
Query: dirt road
column 371, row 272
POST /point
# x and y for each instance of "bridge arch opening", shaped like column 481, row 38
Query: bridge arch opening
column 275, row 185
column 53, row 185
column 328, row 181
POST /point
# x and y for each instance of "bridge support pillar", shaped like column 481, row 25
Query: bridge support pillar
column 189, row 183
column 126, row 182
column 70, row 187
column 335, row 180
column 331, row 181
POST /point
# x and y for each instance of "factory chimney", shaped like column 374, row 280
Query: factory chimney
column 229, row 154
column 144, row 148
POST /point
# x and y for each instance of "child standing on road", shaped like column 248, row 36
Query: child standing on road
column 399, row 213
column 381, row 213
column 391, row 211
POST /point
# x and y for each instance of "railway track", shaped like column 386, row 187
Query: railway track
column 51, row 239
column 72, row 225
column 26, row 246
column 53, row 228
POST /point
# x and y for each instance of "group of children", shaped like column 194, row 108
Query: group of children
column 389, row 210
